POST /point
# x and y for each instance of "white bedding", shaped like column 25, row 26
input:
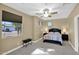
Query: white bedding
column 56, row 36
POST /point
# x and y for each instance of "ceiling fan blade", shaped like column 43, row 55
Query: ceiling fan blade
column 49, row 15
column 42, row 16
column 53, row 12
column 38, row 13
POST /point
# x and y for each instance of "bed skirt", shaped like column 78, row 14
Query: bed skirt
column 52, row 41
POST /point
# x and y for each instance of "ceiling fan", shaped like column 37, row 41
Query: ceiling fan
column 46, row 13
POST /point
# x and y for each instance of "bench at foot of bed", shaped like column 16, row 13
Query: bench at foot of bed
column 52, row 41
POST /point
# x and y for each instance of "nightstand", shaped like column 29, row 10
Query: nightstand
column 65, row 37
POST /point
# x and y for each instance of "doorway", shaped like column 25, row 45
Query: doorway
column 76, row 32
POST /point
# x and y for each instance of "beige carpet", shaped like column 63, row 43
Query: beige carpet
column 41, row 48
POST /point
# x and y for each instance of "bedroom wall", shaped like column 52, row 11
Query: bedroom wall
column 71, row 17
column 37, row 33
column 27, row 30
column 59, row 23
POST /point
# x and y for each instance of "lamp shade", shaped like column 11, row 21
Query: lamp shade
column 46, row 29
column 64, row 31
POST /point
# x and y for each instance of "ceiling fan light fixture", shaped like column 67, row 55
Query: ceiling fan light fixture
column 45, row 14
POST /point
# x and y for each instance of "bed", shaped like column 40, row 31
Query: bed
column 53, row 36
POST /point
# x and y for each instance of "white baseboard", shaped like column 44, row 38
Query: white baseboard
column 7, row 52
column 36, row 40
column 72, row 46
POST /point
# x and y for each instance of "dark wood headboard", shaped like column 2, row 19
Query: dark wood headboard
column 55, row 30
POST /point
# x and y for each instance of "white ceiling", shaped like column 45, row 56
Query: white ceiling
column 63, row 9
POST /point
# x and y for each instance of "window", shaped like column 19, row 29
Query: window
column 10, row 29
column 11, row 24
column 49, row 24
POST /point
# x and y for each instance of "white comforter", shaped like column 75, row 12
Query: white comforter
column 56, row 36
